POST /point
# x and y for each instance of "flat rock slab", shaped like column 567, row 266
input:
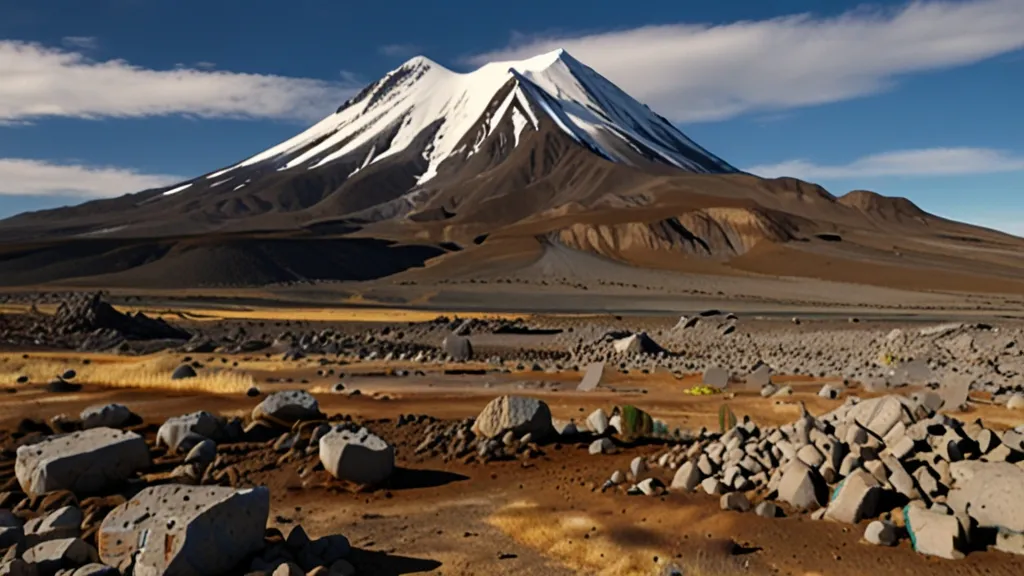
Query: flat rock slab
column 50, row 557
column 360, row 456
column 185, row 530
column 518, row 414
column 592, row 377
column 82, row 462
column 288, row 406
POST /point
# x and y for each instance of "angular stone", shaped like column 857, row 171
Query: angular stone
column 811, row 456
column 106, row 416
column 992, row 493
column 186, row 530
column 879, row 415
column 933, row 534
column 82, row 462
column 459, row 348
column 712, row 486
column 360, row 457
column 602, row 446
column 736, row 501
column 802, row 487
column 287, row 407
column 716, row 377
column 638, row 466
column 60, row 524
column 597, row 422
column 592, row 377
column 54, row 555
column 519, row 414
column 881, row 533
column 203, row 453
column 854, row 499
column 687, row 478
column 184, row 432
column 767, row 509
column 183, row 372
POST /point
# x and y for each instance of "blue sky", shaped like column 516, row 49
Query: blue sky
column 913, row 99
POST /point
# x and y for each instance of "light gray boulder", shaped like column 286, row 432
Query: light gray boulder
column 767, row 509
column 518, row 414
column 716, row 377
column 203, row 453
column 360, row 456
column 735, row 501
column 592, row 377
column 802, row 487
column 459, row 348
column 687, row 478
column 184, row 432
column 932, row 533
column 57, row 525
column 601, row 446
column 287, row 407
column 106, row 416
column 881, row 533
column 854, row 499
column 597, row 422
column 83, row 462
column 879, row 415
column 54, row 555
column 185, row 530
column 991, row 493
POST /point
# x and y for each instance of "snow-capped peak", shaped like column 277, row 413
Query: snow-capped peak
column 422, row 95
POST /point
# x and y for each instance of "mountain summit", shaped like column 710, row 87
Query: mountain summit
column 533, row 164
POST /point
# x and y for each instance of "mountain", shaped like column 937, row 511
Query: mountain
column 474, row 172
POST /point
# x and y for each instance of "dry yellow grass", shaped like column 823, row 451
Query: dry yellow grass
column 152, row 372
column 560, row 536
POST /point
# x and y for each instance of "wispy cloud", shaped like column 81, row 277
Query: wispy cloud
column 693, row 72
column 399, row 50
column 922, row 162
column 25, row 177
column 80, row 42
column 40, row 82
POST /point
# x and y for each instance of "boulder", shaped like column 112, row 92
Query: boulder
column 59, row 524
column 459, row 348
column 518, row 414
column 52, row 556
column 195, row 530
column 716, row 377
column 601, row 446
column 184, row 432
column 881, row 533
column 597, row 422
column 183, row 372
column 854, row 499
column 287, row 407
column 360, row 457
column 736, row 501
column 932, row 533
column 760, row 377
column 592, row 377
column 992, row 493
column 802, row 487
column 687, row 478
column 83, row 462
column 767, row 509
column 106, row 416
column 879, row 415
column 202, row 453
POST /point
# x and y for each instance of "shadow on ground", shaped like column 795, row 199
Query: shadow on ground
column 409, row 478
column 384, row 564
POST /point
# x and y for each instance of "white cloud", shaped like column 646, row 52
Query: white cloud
column 695, row 72
column 44, row 82
column 80, row 42
column 24, row 177
column 399, row 50
column 922, row 162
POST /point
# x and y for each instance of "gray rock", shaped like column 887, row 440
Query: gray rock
column 597, row 422
column 54, row 555
column 198, row 531
column 638, row 466
column 1016, row 402
column 687, row 478
column 184, row 432
column 760, row 377
column 95, row 569
column 802, row 487
column 992, row 493
column 459, row 348
column 881, row 533
column 519, row 414
column 712, row 486
column 601, row 446
column 106, row 416
column 203, row 453
column 854, row 499
column 767, row 509
column 360, row 457
column 57, row 525
column 735, row 501
column 83, row 462
column 183, row 372
column 716, row 377
column 287, row 407
column 592, row 377
column 932, row 533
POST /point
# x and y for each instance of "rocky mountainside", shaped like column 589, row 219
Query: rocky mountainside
column 429, row 166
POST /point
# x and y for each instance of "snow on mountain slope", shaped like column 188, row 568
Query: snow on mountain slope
column 422, row 95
